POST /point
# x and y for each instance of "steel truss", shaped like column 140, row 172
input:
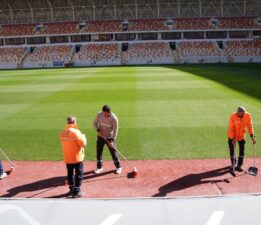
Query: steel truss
column 35, row 11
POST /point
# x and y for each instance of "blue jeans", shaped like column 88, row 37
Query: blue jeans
column 75, row 176
column 1, row 168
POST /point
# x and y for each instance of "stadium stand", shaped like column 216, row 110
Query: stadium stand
column 49, row 56
column 193, row 24
column 103, row 26
column 149, row 53
column 199, row 52
column 83, row 33
column 60, row 28
column 237, row 23
column 148, row 25
column 11, row 57
column 17, row 30
column 98, row 54
column 244, row 51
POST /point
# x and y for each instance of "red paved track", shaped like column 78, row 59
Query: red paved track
column 44, row 179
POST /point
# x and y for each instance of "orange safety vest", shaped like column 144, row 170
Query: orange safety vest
column 73, row 143
column 236, row 128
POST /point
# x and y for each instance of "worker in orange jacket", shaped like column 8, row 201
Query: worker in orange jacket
column 73, row 143
column 239, row 120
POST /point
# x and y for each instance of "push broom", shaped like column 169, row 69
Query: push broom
column 253, row 169
column 135, row 170
column 12, row 165
column 233, row 172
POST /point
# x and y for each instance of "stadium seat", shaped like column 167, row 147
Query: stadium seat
column 50, row 54
column 11, row 55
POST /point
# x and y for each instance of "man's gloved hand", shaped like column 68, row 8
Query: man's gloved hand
column 253, row 137
column 111, row 143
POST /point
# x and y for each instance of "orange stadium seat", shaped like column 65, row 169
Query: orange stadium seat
column 17, row 30
column 192, row 24
column 148, row 50
column 103, row 26
column 98, row 52
column 60, row 28
column 244, row 48
column 148, row 25
column 11, row 55
column 238, row 22
column 198, row 48
column 50, row 53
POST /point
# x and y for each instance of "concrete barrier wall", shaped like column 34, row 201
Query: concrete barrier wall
column 144, row 61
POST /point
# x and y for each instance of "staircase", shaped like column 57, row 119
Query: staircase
column 123, row 58
column 176, row 57
column 229, row 56
column 70, row 60
column 72, row 54
column 21, row 61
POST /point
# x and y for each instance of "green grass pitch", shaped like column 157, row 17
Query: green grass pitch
column 165, row 112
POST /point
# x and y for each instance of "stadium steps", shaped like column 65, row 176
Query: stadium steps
column 176, row 57
column 123, row 58
column 73, row 50
column 229, row 57
column 21, row 61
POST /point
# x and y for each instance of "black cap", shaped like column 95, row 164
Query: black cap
column 71, row 119
column 106, row 108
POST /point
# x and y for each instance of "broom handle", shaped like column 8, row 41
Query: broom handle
column 11, row 163
column 120, row 153
column 254, row 155
column 234, row 156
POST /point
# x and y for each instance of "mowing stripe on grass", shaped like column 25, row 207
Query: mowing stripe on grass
column 178, row 112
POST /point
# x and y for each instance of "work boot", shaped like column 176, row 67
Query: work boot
column 3, row 175
column 78, row 194
column 71, row 192
column 240, row 164
column 240, row 168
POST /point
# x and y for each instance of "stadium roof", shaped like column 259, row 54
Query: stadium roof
column 30, row 11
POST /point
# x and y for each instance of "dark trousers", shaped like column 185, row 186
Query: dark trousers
column 99, row 149
column 1, row 168
column 241, row 151
column 75, row 176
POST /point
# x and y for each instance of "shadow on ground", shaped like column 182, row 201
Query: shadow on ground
column 42, row 186
column 191, row 180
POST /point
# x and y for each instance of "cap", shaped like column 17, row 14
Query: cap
column 106, row 108
column 241, row 109
column 71, row 119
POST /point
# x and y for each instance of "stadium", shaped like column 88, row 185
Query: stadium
column 41, row 34
column 172, row 71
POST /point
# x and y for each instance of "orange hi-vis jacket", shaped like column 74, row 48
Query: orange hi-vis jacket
column 73, row 143
column 236, row 128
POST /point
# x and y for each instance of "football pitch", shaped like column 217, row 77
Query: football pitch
column 165, row 112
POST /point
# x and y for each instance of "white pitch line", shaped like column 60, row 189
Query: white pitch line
column 23, row 213
column 111, row 219
column 215, row 218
